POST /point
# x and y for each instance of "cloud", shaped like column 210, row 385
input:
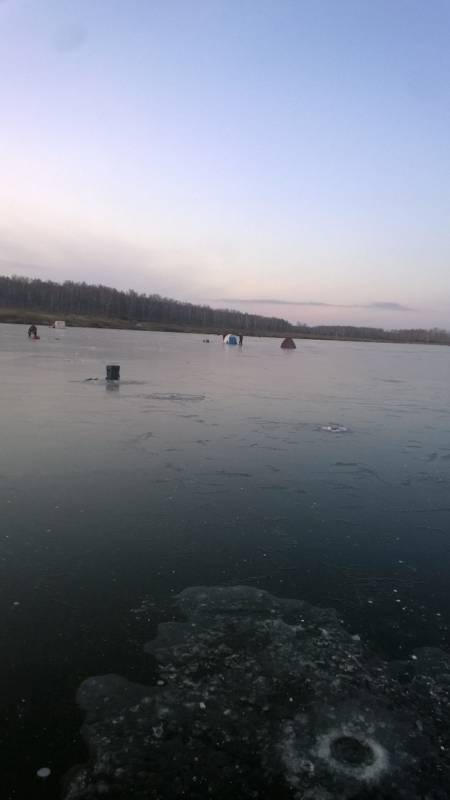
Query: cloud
column 386, row 306
column 268, row 300
column 377, row 306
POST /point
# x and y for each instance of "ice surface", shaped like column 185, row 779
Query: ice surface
column 265, row 697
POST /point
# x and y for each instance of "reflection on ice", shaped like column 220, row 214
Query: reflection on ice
column 264, row 697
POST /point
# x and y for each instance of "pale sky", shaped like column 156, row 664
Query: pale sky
column 287, row 158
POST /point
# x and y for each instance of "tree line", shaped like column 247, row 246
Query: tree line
column 84, row 299
column 138, row 310
column 365, row 333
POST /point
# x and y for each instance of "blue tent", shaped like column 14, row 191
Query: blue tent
column 230, row 338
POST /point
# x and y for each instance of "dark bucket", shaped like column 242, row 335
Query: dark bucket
column 113, row 372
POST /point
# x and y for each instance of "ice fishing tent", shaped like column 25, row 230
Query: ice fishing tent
column 288, row 344
column 230, row 338
column 59, row 324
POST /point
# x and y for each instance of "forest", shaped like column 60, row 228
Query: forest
column 103, row 306
column 96, row 301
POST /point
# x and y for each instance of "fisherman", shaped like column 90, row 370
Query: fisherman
column 32, row 331
column 241, row 338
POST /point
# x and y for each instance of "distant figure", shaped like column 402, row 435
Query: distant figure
column 223, row 337
column 241, row 338
column 32, row 331
column 288, row 344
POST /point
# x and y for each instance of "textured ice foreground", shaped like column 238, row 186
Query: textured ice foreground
column 260, row 697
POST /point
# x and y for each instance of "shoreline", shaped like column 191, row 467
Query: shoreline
column 46, row 319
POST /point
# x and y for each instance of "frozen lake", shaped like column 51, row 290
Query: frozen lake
column 320, row 474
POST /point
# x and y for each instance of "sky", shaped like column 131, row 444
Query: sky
column 283, row 157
